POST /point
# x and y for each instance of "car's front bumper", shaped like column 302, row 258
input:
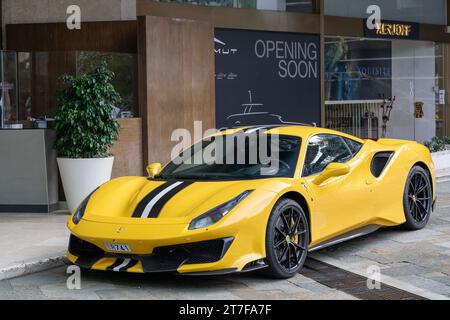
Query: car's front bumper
column 162, row 259
column 157, row 246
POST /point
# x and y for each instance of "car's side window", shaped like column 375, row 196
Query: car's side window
column 323, row 149
column 354, row 146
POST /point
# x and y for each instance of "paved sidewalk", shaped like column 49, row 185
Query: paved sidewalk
column 31, row 242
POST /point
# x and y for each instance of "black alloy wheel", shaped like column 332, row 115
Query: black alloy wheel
column 287, row 239
column 417, row 199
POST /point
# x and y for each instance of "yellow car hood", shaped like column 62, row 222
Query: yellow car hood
column 123, row 199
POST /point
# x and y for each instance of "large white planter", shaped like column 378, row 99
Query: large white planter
column 82, row 176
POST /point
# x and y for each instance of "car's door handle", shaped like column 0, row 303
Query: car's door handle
column 370, row 181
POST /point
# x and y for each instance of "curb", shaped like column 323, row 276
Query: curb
column 25, row 268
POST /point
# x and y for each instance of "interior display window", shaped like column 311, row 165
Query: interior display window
column 383, row 88
column 39, row 79
column 125, row 81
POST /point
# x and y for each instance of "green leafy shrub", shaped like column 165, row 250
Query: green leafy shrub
column 438, row 144
column 84, row 122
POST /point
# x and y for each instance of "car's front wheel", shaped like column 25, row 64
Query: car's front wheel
column 417, row 199
column 287, row 239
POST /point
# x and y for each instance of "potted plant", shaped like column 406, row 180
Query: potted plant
column 86, row 129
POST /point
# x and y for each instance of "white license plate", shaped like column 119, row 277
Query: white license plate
column 118, row 247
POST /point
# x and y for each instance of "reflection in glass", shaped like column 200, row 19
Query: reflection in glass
column 8, row 88
column 123, row 66
column 362, row 74
column 39, row 74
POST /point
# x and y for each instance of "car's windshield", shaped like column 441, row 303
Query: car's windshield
column 238, row 156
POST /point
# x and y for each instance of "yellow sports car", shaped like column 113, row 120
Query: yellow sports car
column 262, row 201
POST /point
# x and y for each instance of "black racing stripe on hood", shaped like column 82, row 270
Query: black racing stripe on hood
column 143, row 203
column 155, row 211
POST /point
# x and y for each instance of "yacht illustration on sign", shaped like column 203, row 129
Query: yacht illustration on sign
column 254, row 114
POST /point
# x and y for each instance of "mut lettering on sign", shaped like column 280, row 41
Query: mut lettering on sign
column 393, row 30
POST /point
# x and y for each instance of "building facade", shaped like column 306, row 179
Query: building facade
column 236, row 62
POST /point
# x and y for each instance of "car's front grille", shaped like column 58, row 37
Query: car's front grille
column 197, row 252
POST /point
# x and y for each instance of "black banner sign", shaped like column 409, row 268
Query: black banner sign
column 265, row 78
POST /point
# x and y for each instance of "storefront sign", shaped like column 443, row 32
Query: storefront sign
column 265, row 78
column 393, row 30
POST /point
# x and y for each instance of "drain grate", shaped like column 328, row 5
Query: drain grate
column 351, row 283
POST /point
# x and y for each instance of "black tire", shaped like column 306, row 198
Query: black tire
column 286, row 242
column 417, row 199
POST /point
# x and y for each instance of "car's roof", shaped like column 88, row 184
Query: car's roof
column 302, row 131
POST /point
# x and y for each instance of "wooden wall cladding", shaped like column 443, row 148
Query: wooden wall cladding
column 108, row 36
column 127, row 150
column 343, row 26
column 176, row 74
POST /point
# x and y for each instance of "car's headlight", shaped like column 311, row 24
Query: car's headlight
column 79, row 213
column 217, row 213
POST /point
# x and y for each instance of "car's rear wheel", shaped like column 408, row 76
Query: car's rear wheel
column 417, row 199
column 287, row 239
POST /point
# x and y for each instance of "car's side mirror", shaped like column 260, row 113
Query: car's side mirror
column 332, row 170
column 153, row 169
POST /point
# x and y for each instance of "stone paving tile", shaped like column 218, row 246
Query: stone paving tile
column 429, row 284
column 444, row 244
column 414, row 236
column 24, row 293
column 312, row 286
column 402, row 268
column 251, row 294
column 53, row 276
column 129, row 294
column 269, row 284
column 444, row 279
column 61, row 292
